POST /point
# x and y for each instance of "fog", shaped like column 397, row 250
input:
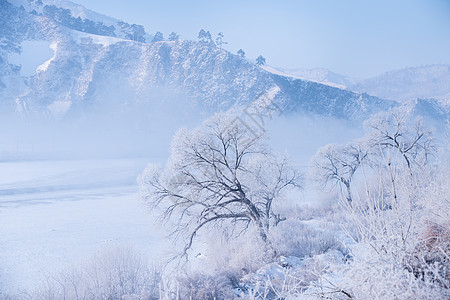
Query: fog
column 299, row 135
column 115, row 122
column 126, row 131
column 146, row 130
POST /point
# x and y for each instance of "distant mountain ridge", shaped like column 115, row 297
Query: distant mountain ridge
column 431, row 81
column 408, row 84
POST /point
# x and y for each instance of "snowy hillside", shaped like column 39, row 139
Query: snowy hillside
column 77, row 17
column 91, row 67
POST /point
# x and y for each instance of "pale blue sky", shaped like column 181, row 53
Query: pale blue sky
column 358, row 38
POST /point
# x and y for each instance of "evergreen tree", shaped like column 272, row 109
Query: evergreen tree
column 260, row 60
column 208, row 38
column 173, row 36
column 241, row 53
column 220, row 41
column 201, row 35
column 158, row 37
column 205, row 36
column 138, row 33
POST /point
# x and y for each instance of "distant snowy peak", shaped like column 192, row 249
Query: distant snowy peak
column 402, row 85
column 319, row 75
column 431, row 81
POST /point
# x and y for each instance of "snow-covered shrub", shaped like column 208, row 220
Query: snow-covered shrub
column 390, row 275
column 431, row 257
column 216, row 269
column 291, row 278
column 304, row 239
column 113, row 273
column 201, row 286
column 234, row 257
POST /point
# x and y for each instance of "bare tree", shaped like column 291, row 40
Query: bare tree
column 219, row 174
column 335, row 165
column 394, row 130
column 388, row 134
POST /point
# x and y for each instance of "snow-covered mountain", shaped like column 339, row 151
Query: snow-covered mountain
column 431, row 81
column 409, row 84
column 319, row 75
column 97, row 64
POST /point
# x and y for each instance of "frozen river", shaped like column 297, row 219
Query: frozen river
column 56, row 214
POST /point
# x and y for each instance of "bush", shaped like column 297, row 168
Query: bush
column 431, row 257
column 111, row 274
column 297, row 238
column 202, row 286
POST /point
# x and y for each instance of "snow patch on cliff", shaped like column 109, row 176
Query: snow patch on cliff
column 33, row 55
column 43, row 67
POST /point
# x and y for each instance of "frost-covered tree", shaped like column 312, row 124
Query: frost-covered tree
column 241, row 53
column 335, row 165
column 260, row 60
column 158, row 37
column 396, row 131
column 173, row 36
column 219, row 174
column 389, row 135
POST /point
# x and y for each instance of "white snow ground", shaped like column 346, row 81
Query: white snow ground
column 55, row 214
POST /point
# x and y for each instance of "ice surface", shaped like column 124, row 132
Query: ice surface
column 54, row 214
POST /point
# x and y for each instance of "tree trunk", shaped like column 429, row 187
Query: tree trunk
column 267, row 243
